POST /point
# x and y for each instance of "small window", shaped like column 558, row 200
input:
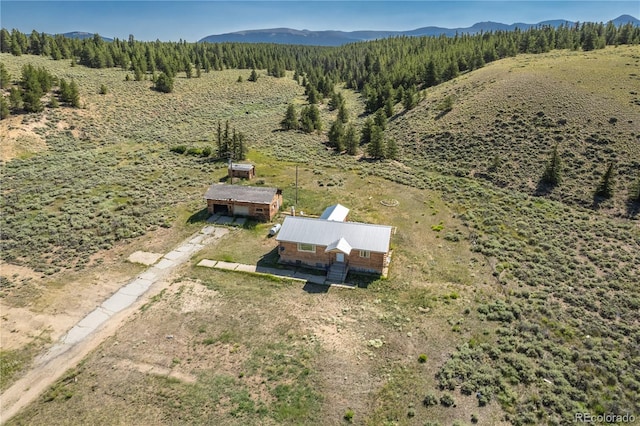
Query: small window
column 306, row 247
column 259, row 209
column 365, row 254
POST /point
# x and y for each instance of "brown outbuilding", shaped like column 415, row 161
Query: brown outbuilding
column 259, row 203
column 241, row 170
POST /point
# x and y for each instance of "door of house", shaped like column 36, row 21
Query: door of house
column 340, row 257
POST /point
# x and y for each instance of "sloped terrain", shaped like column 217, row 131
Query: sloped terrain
column 507, row 117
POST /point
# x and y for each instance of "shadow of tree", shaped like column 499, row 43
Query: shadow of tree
column 544, row 188
column 597, row 201
column 633, row 209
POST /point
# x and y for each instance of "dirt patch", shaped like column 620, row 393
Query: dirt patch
column 144, row 257
column 159, row 370
column 20, row 139
column 17, row 273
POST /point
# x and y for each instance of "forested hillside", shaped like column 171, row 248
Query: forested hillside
column 383, row 70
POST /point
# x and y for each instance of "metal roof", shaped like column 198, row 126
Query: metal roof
column 241, row 167
column 249, row 194
column 360, row 236
column 337, row 212
column 340, row 245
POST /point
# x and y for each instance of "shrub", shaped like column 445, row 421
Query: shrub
column 422, row 358
column 348, row 415
column 447, row 400
column 178, row 149
column 430, row 400
column 103, row 89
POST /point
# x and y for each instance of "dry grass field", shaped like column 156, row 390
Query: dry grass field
column 523, row 304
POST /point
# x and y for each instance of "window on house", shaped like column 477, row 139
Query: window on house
column 259, row 209
column 365, row 253
column 306, row 247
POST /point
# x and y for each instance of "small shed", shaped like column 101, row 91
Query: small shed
column 241, row 170
column 336, row 213
column 261, row 203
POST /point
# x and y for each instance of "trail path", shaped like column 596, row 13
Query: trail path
column 101, row 323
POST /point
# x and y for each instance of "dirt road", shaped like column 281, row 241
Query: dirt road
column 101, row 323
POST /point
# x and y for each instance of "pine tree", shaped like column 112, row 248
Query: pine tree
column 15, row 99
column 290, row 121
column 605, row 188
column 32, row 90
column 551, row 175
column 380, row 119
column 4, row 108
column 310, row 119
column 335, row 101
column 392, row 149
column 5, row 77
column 343, row 114
column 388, row 107
column 365, row 136
column 313, row 96
column 53, row 103
column 74, row 101
column 336, row 135
column 254, row 75
column 375, row 149
column 410, row 99
column 351, row 141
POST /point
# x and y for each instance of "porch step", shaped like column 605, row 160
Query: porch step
column 337, row 273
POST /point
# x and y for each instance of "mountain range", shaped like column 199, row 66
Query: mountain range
column 338, row 38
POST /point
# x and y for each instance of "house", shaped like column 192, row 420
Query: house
column 245, row 171
column 337, row 212
column 334, row 245
column 259, row 203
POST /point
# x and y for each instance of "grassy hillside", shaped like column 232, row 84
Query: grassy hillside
column 524, row 305
column 507, row 117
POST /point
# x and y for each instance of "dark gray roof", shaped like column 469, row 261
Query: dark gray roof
column 249, row 194
column 360, row 236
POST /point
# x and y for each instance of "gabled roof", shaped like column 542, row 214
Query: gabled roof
column 340, row 245
column 337, row 212
column 360, row 236
column 241, row 167
column 249, row 194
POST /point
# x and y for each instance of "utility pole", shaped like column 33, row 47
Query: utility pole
column 296, row 185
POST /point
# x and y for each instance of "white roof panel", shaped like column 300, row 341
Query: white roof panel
column 337, row 212
column 341, row 245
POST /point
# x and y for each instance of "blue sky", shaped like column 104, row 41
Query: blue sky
column 193, row 20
